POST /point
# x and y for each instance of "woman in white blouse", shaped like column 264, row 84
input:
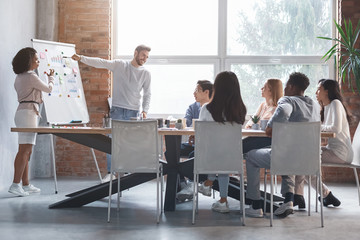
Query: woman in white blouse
column 29, row 88
column 225, row 105
column 335, row 118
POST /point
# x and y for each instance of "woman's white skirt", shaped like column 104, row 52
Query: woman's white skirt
column 26, row 118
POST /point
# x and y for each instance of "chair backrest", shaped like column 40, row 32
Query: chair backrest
column 295, row 148
column 134, row 146
column 356, row 146
column 218, row 148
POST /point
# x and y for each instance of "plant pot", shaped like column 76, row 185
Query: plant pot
column 178, row 125
column 255, row 126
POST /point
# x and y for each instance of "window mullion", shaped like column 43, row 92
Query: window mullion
column 222, row 33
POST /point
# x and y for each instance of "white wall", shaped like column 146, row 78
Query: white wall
column 18, row 26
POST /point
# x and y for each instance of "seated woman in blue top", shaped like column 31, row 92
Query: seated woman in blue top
column 225, row 105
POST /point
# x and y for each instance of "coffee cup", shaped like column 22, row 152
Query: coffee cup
column 160, row 122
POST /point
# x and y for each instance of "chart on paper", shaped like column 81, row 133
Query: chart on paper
column 66, row 102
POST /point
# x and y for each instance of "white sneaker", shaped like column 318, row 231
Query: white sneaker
column 107, row 177
column 285, row 209
column 186, row 193
column 31, row 189
column 255, row 213
column 205, row 190
column 16, row 189
column 220, row 207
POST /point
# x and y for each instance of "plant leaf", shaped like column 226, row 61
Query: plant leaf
column 341, row 32
column 330, row 53
column 348, row 63
column 357, row 32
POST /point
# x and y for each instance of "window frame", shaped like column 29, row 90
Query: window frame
column 222, row 61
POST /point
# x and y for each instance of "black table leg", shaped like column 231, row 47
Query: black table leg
column 172, row 154
column 92, row 194
column 172, row 168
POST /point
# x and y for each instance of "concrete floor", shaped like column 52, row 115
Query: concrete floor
column 30, row 218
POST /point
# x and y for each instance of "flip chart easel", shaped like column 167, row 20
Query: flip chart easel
column 66, row 103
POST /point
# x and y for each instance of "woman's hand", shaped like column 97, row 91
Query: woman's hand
column 76, row 57
column 52, row 71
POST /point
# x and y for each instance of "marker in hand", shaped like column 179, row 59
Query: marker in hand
column 76, row 57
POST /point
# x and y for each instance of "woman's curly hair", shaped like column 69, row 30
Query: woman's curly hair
column 22, row 61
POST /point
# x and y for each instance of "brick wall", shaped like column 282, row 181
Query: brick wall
column 351, row 10
column 86, row 23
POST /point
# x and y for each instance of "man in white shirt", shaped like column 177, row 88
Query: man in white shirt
column 130, row 78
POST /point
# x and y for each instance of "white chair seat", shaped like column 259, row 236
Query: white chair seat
column 218, row 150
column 296, row 151
column 355, row 164
column 135, row 149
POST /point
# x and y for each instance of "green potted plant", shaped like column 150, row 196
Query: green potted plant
column 349, row 56
column 255, row 119
column 179, row 124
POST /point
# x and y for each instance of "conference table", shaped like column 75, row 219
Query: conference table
column 97, row 138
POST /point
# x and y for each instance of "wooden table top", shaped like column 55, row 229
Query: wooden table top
column 162, row 131
column 51, row 130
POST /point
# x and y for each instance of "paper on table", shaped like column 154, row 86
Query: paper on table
column 166, row 128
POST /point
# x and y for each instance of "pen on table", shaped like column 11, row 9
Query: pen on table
column 75, row 121
column 66, row 57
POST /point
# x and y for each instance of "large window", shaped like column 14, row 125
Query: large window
column 193, row 40
column 175, row 93
column 278, row 27
column 171, row 28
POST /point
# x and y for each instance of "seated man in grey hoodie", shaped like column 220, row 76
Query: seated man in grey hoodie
column 293, row 107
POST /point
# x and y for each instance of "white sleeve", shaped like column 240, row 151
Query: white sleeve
column 202, row 114
column 334, row 118
column 205, row 115
column 98, row 62
column 147, row 94
column 37, row 83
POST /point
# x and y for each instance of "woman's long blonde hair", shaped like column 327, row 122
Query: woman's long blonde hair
column 276, row 89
